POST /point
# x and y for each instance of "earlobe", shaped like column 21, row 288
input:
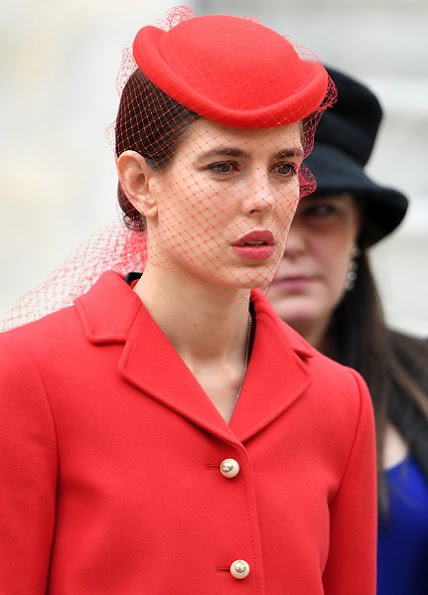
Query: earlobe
column 135, row 179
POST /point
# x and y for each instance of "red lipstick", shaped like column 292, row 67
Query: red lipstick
column 256, row 245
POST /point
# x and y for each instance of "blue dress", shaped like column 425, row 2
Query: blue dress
column 403, row 537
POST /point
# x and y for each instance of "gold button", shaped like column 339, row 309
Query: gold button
column 229, row 468
column 239, row 569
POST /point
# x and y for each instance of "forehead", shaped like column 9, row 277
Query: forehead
column 204, row 136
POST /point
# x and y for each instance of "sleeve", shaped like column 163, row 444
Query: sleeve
column 351, row 565
column 28, row 472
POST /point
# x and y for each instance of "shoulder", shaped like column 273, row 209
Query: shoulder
column 25, row 371
column 404, row 343
column 335, row 389
column 39, row 333
column 411, row 354
column 72, row 325
column 343, row 388
column 338, row 393
column 328, row 373
column 27, row 352
column 338, row 404
column 284, row 336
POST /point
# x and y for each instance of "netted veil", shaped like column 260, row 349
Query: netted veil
column 178, row 75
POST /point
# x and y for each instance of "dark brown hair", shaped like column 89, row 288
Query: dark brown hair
column 152, row 124
column 394, row 366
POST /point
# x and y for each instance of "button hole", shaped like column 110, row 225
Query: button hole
column 222, row 569
column 209, row 466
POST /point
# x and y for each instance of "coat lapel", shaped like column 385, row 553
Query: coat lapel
column 151, row 363
column 277, row 373
column 112, row 313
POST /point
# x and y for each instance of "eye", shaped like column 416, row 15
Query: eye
column 285, row 170
column 321, row 209
column 223, row 167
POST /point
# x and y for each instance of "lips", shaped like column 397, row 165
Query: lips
column 291, row 278
column 293, row 283
column 256, row 238
column 256, row 245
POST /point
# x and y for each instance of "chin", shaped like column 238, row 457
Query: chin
column 297, row 310
column 256, row 280
column 246, row 278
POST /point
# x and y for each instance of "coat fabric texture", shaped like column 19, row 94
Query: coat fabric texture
column 110, row 454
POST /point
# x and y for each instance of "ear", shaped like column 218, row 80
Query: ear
column 135, row 176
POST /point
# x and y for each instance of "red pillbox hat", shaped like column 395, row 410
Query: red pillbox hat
column 232, row 70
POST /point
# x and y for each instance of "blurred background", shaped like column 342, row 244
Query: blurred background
column 59, row 62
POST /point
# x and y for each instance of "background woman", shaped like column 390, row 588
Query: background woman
column 149, row 441
column 326, row 291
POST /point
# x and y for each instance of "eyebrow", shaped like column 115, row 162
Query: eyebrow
column 235, row 152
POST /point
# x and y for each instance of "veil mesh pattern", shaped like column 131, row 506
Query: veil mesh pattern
column 195, row 227
column 112, row 248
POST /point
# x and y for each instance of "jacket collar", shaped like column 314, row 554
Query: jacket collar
column 277, row 373
column 108, row 310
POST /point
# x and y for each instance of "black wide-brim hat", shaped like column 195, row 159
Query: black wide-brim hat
column 343, row 144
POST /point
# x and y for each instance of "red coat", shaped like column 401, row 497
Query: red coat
column 110, row 454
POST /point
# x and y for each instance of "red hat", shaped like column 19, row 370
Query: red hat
column 232, row 70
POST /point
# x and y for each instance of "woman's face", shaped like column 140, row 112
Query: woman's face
column 225, row 204
column 311, row 279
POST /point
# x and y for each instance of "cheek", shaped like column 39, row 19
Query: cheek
column 286, row 204
column 193, row 217
column 179, row 206
column 339, row 270
column 290, row 195
column 327, row 249
column 336, row 265
column 201, row 201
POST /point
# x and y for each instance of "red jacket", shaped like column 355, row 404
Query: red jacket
column 110, row 454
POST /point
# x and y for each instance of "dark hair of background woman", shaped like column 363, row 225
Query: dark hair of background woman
column 393, row 365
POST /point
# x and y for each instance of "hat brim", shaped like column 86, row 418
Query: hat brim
column 336, row 172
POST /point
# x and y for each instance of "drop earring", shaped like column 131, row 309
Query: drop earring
column 351, row 276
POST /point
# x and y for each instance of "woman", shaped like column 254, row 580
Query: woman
column 326, row 291
column 150, row 440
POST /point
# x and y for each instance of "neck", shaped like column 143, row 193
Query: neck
column 315, row 333
column 204, row 324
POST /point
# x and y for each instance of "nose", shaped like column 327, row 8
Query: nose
column 258, row 194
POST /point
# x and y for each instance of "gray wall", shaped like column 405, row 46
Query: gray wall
column 58, row 62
